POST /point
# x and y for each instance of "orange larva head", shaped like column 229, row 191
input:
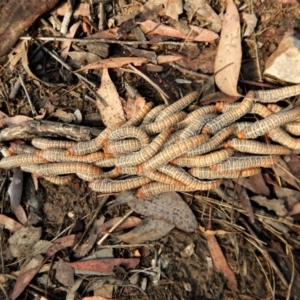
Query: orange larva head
column 139, row 169
column 140, row 194
column 70, row 151
column 214, row 167
column 219, row 106
column 205, row 130
column 241, row 135
column 227, row 145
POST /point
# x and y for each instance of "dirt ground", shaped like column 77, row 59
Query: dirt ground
column 71, row 207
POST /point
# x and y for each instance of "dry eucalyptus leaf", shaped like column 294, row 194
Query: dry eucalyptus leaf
column 147, row 230
column 276, row 205
column 64, row 116
column 229, row 54
column 113, row 113
column 167, row 206
column 80, row 57
column 9, row 223
column 251, row 21
column 16, row 187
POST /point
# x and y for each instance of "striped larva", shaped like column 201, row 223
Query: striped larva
column 105, row 162
column 19, row 160
column 127, row 170
column 241, row 163
column 229, row 117
column 181, row 175
column 89, row 176
column 114, row 186
column 22, row 149
column 263, row 126
column 195, row 127
column 153, row 114
column 276, row 95
column 206, row 173
column 130, row 132
column 172, row 151
column 62, row 168
column 255, row 147
column 193, row 116
column 6, row 152
column 159, row 126
column 43, row 143
column 120, row 147
column 280, row 136
column 293, row 128
column 213, row 142
column 161, row 177
column 146, row 153
column 158, row 188
column 203, row 160
column 60, row 155
column 94, row 145
column 139, row 116
column 177, row 106
column 59, row 180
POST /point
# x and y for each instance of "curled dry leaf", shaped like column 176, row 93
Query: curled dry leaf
column 9, row 223
column 115, row 62
column 169, row 207
column 202, row 35
column 112, row 113
column 16, row 187
column 229, row 54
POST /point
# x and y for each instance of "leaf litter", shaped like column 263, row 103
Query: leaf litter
column 270, row 199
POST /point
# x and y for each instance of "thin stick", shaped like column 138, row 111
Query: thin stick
column 27, row 96
column 91, row 40
column 114, row 227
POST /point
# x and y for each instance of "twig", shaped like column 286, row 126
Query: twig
column 34, row 113
column 114, row 227
column 67, row 18
column 95, row 40
column 189, row 72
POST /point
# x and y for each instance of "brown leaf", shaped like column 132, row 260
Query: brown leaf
column 112, row 113
column 103, row 265
column 217, row 97
column 229, row 54
column 115, row 62
column 277, row 205
column 28, row 273
column 10, row 121
column 169, row 207
column 220, row 262
column 9, row 223
column 173, row 8
column 128, row 223
column 291, row 197
column 20, row 214
column 16, row 17
column 164, row 59
column 65, row 46
column 96, row 298
column 295, row 209
column 202, row 35
column 64, row 274
column 80, row 58
column 132, row 106
column 147, row 230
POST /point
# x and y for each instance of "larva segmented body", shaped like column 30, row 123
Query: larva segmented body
column 241, row 163
column 153, row 114
column 144, row 154
column 206, row 173
column 60, row 155
column 280, row 136
column 43, row 143
column 293, row 128
column 167, row 122
column 172, row 139
column 19, row 160
column 213, row 142
column 6, row 152
column 59, row 180
column 22, row 149
column 196, row 126
column 94, row 145
column 62, row 168
column 105, row 162
column 229, row 117
column 130, row 132
column 108, row 186
column 158, row 187
column 127, row 170
column 88, row 176
column 263, row 126
column 275, row 95
column 255, row 147
column 173, row 151
column 201, row 111
column 161, row 177
column 177, row 106
column 139, row 116
column 203, row 160
column 121, row 147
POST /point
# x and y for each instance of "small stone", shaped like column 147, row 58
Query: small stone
column 284, row 63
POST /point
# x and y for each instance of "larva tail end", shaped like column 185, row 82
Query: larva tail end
column 227, row 145
column 191, row 171
column 173, row 161
column 205, row 130
column 40, row 153
column 241, row 135
column 139, row 169
column 219, row 106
